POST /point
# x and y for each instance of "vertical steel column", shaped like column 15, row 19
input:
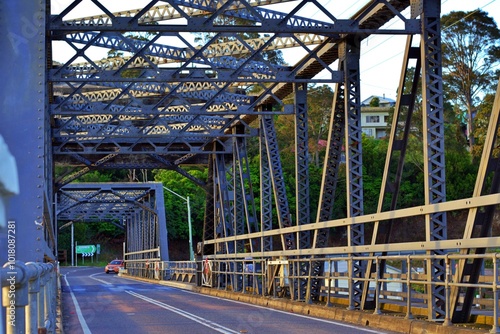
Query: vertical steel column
column 278, row 182
column 129, row 232
column 162, row 222
column 433, row 129
column 134, row 234
column 239, row 198
column 302, row 164
column 349, row 53
column 302, row 183
column 24, row 126
column 238, row 211
column 226, row 178
column 209, row 217
column 224, row 221
column 143, row 228
column 266, row 196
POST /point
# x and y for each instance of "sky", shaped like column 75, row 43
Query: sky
column 381, row 55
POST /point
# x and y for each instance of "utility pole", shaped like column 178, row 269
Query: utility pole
column 186, row 199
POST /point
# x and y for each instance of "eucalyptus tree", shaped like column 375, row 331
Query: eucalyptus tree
column 470, row 44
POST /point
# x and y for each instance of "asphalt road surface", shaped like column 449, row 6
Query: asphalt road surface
column 95, row 302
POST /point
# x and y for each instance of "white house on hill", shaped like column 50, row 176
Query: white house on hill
column 374, row 118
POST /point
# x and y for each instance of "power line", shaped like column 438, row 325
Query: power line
column 387, row 59
column 466, row 16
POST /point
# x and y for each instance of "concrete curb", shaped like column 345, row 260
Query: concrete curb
column 358, row 318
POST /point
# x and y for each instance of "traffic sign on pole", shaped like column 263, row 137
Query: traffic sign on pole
column 86, row 249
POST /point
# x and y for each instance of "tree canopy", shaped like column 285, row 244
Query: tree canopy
column 470, row 43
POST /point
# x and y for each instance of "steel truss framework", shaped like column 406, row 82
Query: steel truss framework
column 166, row 101
column 138, row 208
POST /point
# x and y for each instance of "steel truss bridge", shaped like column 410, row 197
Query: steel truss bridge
column 170, row 100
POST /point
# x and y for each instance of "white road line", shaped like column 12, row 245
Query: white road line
column 203, row 321
column 99, row 280
column 293, row 314
column 83, row 323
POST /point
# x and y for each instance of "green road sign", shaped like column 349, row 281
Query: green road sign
column 85, row 249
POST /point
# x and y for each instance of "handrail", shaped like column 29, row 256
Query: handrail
column 404, row 286
column 29, row 293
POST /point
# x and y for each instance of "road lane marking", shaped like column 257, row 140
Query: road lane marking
column 203, row 321
column 99, row 280
column 83, row 323
column 294, row 314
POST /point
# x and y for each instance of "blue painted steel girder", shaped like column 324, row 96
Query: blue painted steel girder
column 201, row 22
column 25, row 126
column 434, row 155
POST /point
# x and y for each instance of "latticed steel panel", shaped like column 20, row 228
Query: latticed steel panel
column 164, row 90
column 349, row 58
column 288, row 240
column 433, row 128
column 137, row 208
column 302, row 164
column 266, row 194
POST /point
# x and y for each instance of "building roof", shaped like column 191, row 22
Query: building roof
column 384, row 101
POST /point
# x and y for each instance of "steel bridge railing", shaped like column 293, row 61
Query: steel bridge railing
column 402, row 286
column 29, row 295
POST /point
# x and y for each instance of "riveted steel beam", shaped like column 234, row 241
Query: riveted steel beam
column 266, row 191
column 25, row 126
column 204, row 17
column 433, row 129
column 288, row 241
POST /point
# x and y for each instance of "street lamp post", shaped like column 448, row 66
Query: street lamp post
column 186, row 199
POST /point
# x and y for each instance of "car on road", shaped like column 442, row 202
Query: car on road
column 114, row 266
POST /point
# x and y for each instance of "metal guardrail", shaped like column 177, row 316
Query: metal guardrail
column 403, row 284
column 29, row 295
column 180, row 271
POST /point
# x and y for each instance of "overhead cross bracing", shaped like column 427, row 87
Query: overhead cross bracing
column 224, row 75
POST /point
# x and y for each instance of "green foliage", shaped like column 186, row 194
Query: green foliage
column 176, row 207
column 96, row 176
column 108, row 235
column 460, row 175
column 319, row 109
column 481, row 124
column 374, row 152
column 375, row 102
